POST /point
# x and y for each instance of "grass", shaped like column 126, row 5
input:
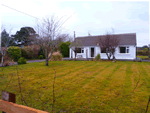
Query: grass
column 143, row 57
column 82, row 86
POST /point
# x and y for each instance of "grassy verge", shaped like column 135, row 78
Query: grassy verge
column 144, row 57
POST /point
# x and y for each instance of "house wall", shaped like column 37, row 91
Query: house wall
column 131, row 55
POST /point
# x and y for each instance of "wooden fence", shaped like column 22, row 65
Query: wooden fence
column 10, row 107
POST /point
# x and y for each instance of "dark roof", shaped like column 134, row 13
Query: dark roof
column 125, row 39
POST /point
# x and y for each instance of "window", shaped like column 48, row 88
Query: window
column 79, row 50
column 124, row 49
column 82, row 50
column 127, row 49
column 103, row 50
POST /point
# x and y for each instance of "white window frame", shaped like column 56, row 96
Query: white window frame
column 82, row 49
column 127, row 49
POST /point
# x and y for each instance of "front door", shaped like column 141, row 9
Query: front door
column 92, row 52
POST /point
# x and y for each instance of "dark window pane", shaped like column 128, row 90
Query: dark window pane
column 103, row 50
column 92, row 52
column 127, row 50
column 82, row 51
column 122, row 49
column 78, row 50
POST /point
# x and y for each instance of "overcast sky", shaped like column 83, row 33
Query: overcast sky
column 95, row 17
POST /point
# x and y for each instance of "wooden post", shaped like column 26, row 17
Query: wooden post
column 7, row 96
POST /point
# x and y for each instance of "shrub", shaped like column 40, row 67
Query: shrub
column 6, row 63
column 64, row 47
column 41, row 52
column 27, row 52
column 14, row 53
column 35, row 49
column 24, row 53
column 144, row 53
column 56, row 56
column 40, row 57
column 97, row 57
column 22, row 60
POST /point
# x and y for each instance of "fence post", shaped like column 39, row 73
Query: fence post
column 7, row 96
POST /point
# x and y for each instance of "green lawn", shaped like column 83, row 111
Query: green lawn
column 142, row 57
column 81, row 86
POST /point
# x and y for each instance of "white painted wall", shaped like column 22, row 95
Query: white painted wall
column 131, row 55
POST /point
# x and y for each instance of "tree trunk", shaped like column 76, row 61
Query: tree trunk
column 108, row 56
column 46, row 62
column 75, row 56
column 2, row 61
column 114, row 59
column 46, row 57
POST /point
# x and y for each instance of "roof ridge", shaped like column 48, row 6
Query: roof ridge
column 104, row 35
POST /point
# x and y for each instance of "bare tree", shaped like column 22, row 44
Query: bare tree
column 6, row 41
column 48, row 30
column 109, row 43
column 77, row 44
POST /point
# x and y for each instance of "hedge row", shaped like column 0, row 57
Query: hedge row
column 144, row 53
column 28, row 52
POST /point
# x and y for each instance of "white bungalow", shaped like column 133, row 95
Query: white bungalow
column 125, row 51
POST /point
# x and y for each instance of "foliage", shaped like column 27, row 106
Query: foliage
column 5, row 37
column 41, row 52
column 40, row 57
column 98, row 57
column 27, row 52
column 56, row 56
column 145, row 47
column 14, row 52
column 6, row 63
column 24, row 36
column 23, row 53
column 143, row 52
column 64, row 48
column 22, row 60
column 6, row 41
column 95, row 85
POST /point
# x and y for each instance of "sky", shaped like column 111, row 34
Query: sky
column 94, row 17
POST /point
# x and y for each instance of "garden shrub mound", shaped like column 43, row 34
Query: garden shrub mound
column 56, row 56
column 22, row 60
column 27, row 52
column 30, row 52
column 14, row 53
column 98, row 57
column 40, row 57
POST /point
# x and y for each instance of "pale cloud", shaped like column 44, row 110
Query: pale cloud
column 94, row 16
column 86, row 6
